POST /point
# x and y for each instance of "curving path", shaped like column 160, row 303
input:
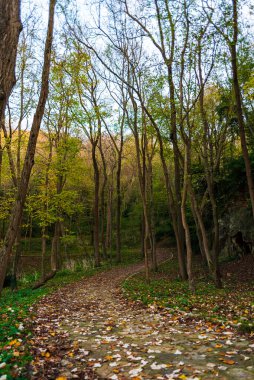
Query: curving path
column 87, row 330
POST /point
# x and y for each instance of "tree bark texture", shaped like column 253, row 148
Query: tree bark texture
column 103, row 208
column 96, row 226
column 118, row 206
column 184, row 221
column 10, row 28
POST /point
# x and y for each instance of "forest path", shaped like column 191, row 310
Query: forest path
column 87, row 330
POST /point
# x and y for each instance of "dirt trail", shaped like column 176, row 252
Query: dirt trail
column 89, row 331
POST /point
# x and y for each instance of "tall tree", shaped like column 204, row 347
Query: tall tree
column 17, row 210
column 164, row 40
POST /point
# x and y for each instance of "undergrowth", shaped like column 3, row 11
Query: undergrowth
column 233, row 305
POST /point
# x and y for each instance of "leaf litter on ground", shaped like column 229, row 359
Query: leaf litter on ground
column 89, row 330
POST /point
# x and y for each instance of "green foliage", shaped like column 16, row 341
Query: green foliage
column 249, row 88
column 7, row 199
column 66, row 153
column 58, row 205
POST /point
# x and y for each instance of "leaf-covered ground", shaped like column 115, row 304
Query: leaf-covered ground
column 14, row 354
column 15, row 333
column 89, row 330
column 15, row 316
column 232, row 305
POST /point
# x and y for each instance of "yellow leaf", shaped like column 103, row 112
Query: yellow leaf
column 183, row 377
column 11, row 343
column 71, row 354
column 218, row 345
column 61, row 378
column 47, row 355
column 108, row 357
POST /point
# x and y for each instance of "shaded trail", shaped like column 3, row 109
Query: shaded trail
column 87, row 330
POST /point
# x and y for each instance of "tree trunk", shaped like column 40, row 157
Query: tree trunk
column 43, row 252
column 142, row 233
column 142, row 181
column 184, row 221
column 209, row 168
column 43, row 281
column 109, row 217
column 96, row 229
column 1, row 163
column 103, row 238
column 239, row 108
column 30, row 233
column 45, row 209
column 210, row 262
column 55, row 247
column 199, row 236
column 29, row 159
column 10, row 28
column 151, row 209
column 177, row 172
column 170, row 197
column 103, row 188
column 118, row 206
column 10, row 155
column 16, row 259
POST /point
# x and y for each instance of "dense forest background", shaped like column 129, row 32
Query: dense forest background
column 146, row 135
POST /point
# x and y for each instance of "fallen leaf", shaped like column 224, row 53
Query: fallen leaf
column 230, row 362
column 135, row 371
column 157, row 366
column 108, row 357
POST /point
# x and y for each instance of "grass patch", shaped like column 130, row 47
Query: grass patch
column 232, row 305
column 14, row 351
